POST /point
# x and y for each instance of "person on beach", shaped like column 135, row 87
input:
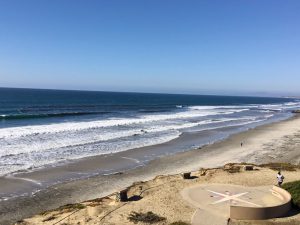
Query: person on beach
column 241, row 144
column 280, row 178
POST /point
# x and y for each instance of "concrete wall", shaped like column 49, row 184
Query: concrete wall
column 261, row 213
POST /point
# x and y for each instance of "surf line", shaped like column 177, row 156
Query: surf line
column 25, row 179
column 134, row 160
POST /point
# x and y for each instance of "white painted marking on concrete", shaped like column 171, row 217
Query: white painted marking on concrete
column 228, row 197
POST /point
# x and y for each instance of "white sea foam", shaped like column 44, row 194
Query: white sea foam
column 219, row 107
column 42, row 142
column 38, row 145
column 10, row 176
column 279, row 107
column 75, row 126
column 36, row 159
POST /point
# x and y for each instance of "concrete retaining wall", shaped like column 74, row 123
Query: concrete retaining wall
column 261, row 213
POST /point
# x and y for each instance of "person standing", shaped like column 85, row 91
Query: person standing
column 280, row 178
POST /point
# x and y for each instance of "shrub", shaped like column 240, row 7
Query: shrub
column 148, row 217
column 280, row 166
column 179, row 223
column 294, row 189
column 233, row 169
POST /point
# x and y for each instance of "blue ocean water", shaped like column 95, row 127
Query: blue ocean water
column 44, row 127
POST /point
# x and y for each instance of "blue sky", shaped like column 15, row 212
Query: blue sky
column 206, row 47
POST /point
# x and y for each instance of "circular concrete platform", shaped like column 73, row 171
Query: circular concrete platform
column 214, row 200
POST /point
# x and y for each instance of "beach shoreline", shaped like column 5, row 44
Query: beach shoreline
column 267, row 143
column 35, row 179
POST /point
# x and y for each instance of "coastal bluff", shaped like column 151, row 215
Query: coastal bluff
column 160, row 199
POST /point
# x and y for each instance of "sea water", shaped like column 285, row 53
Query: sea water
column 41, row 128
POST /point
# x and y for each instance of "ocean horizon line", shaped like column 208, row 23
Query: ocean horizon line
column 154, row 93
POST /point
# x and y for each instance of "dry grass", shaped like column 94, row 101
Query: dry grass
column 65, row 208
column 232, row 168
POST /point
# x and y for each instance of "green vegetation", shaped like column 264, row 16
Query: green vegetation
column 148, row 217
column 281, row 166
column 294, row 189
column 179, row 223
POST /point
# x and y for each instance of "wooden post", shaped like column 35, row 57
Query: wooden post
column 186, row 175
column 248, row 167
column 121, row 196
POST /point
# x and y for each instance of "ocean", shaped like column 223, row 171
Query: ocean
column 40, row 128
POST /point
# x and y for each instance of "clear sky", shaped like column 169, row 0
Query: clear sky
column 207, row 47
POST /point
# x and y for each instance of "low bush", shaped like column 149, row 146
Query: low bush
column 179, row 223
column 294, row 189
column 148, row 217
column 281, row 166
column 233, row 169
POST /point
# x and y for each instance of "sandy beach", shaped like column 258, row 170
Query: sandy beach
column 149, row 113
column 277, row 142
column 162, row 196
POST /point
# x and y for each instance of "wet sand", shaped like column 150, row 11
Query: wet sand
column 268, row 143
